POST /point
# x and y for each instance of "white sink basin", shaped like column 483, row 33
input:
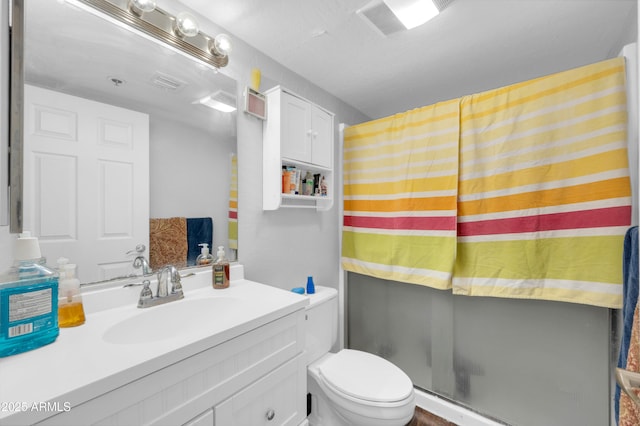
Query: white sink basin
column 170, row 320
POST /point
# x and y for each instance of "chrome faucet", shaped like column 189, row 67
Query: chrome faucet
column 162, row 296
column 141, row 262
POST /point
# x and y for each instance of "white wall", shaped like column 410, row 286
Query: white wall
column 280, row 248
column 187, row 185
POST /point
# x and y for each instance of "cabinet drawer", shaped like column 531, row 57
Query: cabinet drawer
column 279, row 398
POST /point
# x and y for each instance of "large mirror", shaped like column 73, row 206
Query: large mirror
column 137, row 95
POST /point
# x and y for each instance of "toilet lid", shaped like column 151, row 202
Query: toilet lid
column 365, row 376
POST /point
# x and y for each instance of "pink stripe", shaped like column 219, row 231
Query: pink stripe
column 597, row 218
column 233, row 215
column 410, row 223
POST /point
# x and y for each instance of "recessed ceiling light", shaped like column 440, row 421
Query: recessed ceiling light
column 220, row 100
column 413, row 12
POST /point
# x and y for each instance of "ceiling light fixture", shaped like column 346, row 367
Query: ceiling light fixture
column 412, row 13
column 186, row 25
column 220, row 100
column 180, row 33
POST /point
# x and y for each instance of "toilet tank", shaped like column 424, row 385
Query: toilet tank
column 321, row 322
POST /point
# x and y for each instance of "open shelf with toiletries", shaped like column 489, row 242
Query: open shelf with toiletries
column 298, row 153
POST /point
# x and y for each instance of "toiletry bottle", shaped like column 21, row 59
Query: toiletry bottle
column 70, row 309
column 308, row 184
column 220, row 270
column 323, row 187
column 311, row 288
column 28, row 300
column 204, row 258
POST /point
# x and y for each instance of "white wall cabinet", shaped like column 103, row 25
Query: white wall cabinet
column 297, row 134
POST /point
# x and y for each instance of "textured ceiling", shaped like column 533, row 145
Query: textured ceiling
column 473, row 45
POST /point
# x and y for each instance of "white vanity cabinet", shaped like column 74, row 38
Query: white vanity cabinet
column 256, row 378
column 299, row 134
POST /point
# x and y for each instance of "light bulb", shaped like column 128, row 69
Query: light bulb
column 186, row 24
column 140, row 6
column 221, row 45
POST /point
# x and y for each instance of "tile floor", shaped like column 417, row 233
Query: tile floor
column 424, row 418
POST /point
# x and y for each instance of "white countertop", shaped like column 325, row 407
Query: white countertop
column 81, row 364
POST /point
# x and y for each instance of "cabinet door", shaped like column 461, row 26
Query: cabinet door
column 279, row 398
column 296, row 128
column 321, row 137
column 204, row 419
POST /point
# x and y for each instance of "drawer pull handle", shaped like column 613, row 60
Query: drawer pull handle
column 270, row 415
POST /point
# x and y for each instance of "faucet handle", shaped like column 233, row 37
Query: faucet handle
column 145, row 293
column 176, row 285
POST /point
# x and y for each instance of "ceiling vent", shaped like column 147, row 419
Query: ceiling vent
column 167, row 82
column 380, row 17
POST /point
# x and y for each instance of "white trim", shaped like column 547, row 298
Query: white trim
column 338, row 189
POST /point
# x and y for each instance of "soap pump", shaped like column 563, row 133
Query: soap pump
column 220, row 270
column 70, row 309
column 204, row 258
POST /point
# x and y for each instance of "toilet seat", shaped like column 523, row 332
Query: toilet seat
column 365, row 378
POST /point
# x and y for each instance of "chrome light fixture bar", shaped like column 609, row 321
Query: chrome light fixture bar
column 180, row 32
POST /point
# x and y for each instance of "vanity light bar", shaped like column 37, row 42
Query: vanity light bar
column 161, row 25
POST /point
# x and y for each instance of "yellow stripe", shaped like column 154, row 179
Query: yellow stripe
column 442, row 115
column 513, row 122
column 403, row 204
column 546, row 173
column 426, row 144
column 410, row 170
column 604, row 300
column 420, row 252
column 593, row 259
column 409, row 185
column 547, row 151
column 522, row 93
column 567, row 138
column 611, row 188
column 433, row 282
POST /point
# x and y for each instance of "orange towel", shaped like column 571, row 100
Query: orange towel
column 168, row 242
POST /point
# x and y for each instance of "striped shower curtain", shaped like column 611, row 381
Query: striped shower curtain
column 400, row 186
column 544, row 191
column 233, row 204
column 518, row 192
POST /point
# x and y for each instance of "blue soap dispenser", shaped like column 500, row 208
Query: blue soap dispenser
column 311, row 288
column 28, row 300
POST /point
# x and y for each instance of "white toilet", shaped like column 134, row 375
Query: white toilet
column 350, row 387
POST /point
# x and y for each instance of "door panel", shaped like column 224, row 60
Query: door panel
column 85, row 156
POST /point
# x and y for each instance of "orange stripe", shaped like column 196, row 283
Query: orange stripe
column 403, row 204
column 612, row 188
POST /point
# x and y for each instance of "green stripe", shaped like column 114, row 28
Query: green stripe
column 594, row 259
column 421, row 252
